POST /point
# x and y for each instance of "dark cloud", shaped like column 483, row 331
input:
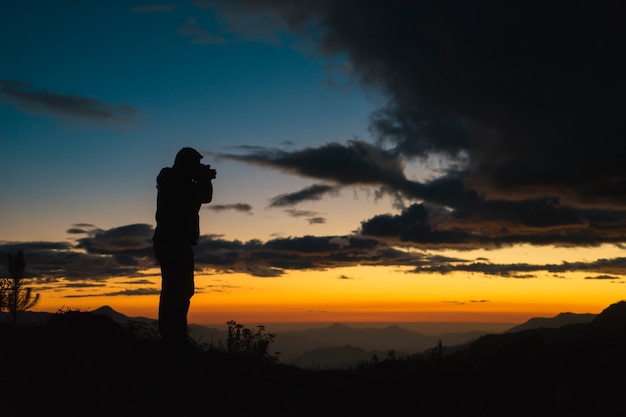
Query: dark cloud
column 357, row 162
column 83, row 228
column 120, row 251
column 135, row 238
column 452, row 215
column 314, row 192
column 126, row 251
column 83, row 285
column 30, row 99
column 137, row 282
column 524, row 98
column 604, row 277
column 242, row 207
column 500, row 223
column 531, row 91
column 615, row 266
column 276, row 256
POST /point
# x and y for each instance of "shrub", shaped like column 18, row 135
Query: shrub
column 251, row 343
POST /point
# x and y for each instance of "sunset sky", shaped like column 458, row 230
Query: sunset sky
column 377, row 161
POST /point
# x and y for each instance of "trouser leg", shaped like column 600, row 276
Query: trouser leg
column 177, row 288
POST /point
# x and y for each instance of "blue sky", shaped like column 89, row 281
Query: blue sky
column 161, row 89
column 440, row 138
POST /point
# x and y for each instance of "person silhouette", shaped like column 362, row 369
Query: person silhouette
column 182, row 189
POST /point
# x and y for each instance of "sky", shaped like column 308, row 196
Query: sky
column 377, row 161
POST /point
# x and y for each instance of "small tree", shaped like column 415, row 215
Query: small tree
column 15, row 296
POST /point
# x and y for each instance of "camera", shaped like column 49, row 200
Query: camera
column 206, row 173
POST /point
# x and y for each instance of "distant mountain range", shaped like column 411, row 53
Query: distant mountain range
column 337, row 345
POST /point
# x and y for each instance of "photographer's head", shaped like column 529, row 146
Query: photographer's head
column 187, row 158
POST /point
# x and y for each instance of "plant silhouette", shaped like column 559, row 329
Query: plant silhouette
column 250, row 343
column 14, row 296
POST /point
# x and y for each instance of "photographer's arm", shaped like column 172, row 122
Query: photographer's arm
column 206, row 192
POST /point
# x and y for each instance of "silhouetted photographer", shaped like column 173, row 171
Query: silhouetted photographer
column 182, row 189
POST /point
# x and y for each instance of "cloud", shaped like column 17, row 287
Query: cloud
column 126, row 251
column 451, row 215
column 604, row 277
column 459, row 303
column 83, row 285
column 32, row 100
column 300, row 213
column 219, row 288
column 82, row 228
column 493, row 224
column 523, row 99
column 242, row 207
column 199, row 35
column 154, row 8
column 524, row 270
column 128, row 293
column 312, row 193
column 102, row 254
column 276, row 256
column 247, row 22
column 357, row 162
column 340, row 241
column 135, row 238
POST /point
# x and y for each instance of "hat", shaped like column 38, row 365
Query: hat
column 186, row 156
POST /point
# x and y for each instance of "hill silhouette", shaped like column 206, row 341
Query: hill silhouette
column 85, row 364
column 560, row 320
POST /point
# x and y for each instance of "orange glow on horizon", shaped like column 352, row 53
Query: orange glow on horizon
column 356, row 294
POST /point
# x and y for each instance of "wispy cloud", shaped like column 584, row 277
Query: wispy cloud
column 128, row 293
column 154, row 8
column 604, row 277
column 312, row 193
column 198, row 35
column 30, row 99
column 242, row 207
column 311, row 216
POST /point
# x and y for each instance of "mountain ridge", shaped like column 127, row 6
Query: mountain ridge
column 560, row 320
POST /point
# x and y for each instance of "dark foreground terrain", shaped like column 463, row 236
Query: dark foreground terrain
column 82, row 364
